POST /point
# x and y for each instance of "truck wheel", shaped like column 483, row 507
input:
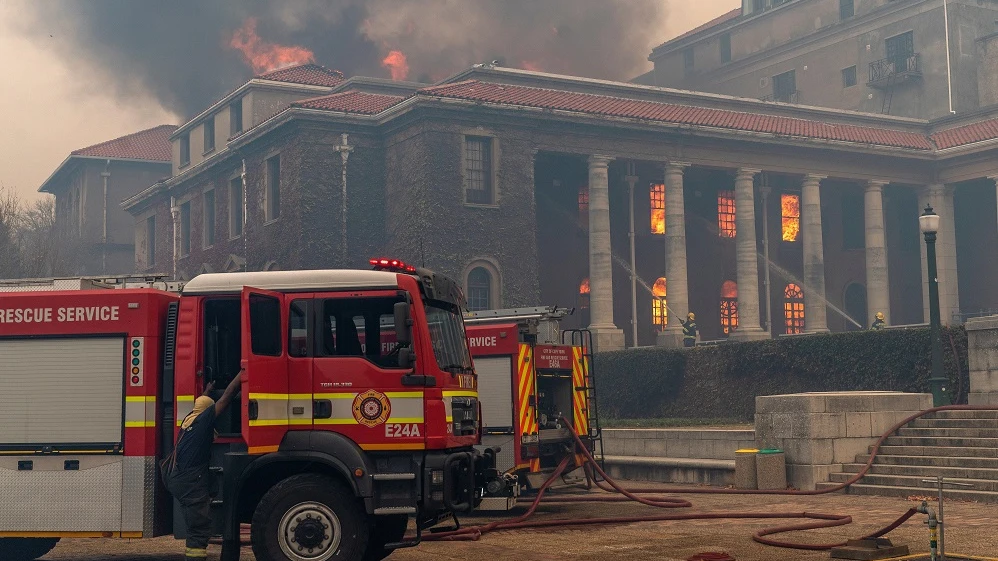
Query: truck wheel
column 25, row 549
column 309, row 517
column 386, row 529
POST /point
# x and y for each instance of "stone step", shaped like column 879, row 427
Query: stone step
column 926, row 471
column 914, row 481
column 961, row 451
column 962, row 415
column 901, row 491
column 954, row 424
column 950, row 432
column 941, row 441
column 929, row 460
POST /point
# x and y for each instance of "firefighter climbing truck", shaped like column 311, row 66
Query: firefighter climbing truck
column 536, row 383
column 337, row 439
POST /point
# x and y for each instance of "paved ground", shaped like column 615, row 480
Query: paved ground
column 971, row 530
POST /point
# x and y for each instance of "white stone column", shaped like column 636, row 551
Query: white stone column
column 878, row 297
column 747, row 258
column 815, row 311
column 676, row 279
column 606, row 336
column 940, row 197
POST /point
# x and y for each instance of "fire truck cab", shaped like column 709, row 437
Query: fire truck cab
column 358, row 409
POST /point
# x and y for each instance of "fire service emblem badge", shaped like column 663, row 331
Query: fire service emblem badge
column 371, row 408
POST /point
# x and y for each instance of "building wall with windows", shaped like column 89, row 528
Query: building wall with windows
column 876, row 56
column 521, row 186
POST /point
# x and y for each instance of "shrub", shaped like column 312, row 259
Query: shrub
column 722, row 381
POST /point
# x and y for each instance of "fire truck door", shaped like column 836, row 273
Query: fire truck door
column 264, row 363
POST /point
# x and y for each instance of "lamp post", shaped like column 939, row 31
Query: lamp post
column 928, row 223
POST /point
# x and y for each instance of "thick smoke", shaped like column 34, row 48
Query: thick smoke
column 180, row 51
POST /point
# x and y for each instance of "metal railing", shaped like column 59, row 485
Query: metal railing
column 783, row 97
column 905, row 65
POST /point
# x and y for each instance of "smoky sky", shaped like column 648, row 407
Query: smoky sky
column 178, row 50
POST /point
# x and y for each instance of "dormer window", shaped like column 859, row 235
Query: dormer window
column 185, row 150
column 236, row 117
column 209, row 134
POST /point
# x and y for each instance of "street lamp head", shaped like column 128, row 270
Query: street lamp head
column 928, row 222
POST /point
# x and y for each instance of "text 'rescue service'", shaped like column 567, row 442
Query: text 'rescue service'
column 59, row 315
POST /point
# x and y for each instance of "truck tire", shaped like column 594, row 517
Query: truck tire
column 25, row 549
column 309, row 517
column 386, row 529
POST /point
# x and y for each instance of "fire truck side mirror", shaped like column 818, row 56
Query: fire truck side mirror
column 406, row 357
column 403, row 324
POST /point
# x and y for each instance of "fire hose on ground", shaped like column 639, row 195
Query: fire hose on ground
column 816, row 520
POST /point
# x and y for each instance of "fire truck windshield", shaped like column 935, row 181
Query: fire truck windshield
column 450, row 344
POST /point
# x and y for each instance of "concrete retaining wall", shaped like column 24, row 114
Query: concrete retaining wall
column 982, row 348
column 821, row 431
column 681, row 455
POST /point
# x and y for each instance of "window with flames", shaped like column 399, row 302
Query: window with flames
column 657, row 199
column 729, row 307
column 790, row 205
column 793, row 309
column 726, row 214
column 659, row 309
column 584, row 293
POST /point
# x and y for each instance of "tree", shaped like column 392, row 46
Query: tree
column 31, row 245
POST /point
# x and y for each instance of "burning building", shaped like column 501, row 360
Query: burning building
column 527, row 186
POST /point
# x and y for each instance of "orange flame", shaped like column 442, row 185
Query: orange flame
column 584, row 287
column 658, row 289
column 264, row 56
column 726, row 214
column 397, row 64
column 791, row 216
column 657, row 196
column 531, row 66
column 729, row 289
column 659, row 311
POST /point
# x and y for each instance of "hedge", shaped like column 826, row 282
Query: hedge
column 723, row 381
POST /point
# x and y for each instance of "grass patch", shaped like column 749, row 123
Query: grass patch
column 671, row 423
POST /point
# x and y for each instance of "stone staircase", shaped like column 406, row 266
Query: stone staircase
column 959, row 445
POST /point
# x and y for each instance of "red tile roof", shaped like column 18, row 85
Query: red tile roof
column 308, row 74
column 150, row 144
column 678, row 114
column 714, row 22
column 966, row 134
column 351, row 101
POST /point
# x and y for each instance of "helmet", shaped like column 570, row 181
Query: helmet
column 880, row 315
column 691, row 316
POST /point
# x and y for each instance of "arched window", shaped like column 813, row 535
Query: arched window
column 584, row 206
column 726, row 214
column 729, row 306
column 479, row 289
column 659, row 310
column 584, row 293
column 793, row 308
column 656, row 196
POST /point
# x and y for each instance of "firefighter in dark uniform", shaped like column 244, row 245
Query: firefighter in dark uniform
column 186, row 474
column 878, row 323
column 689, row 330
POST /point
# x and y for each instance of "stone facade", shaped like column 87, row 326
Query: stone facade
column 982, row 347
column 552, row 225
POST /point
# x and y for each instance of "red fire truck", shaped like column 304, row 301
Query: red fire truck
column 532, row 377
column 333, row 446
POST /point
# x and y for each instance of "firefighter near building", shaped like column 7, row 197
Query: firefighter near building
column 358, row 409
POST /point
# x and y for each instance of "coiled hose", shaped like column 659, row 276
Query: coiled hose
column 817, row 520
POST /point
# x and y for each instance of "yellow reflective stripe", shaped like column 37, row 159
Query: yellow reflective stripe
column 185, row 398
column 268, row 422
column 279, row 396
column 335, row 395
column 139, row 424
column 70, row 534
column 404, row 420
column 196, row 552
column 404, row 394
column 139, row 398
column 340, row 421
column 464, row 393
column 300, row 421
column 299, row 396
column 262, row 449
